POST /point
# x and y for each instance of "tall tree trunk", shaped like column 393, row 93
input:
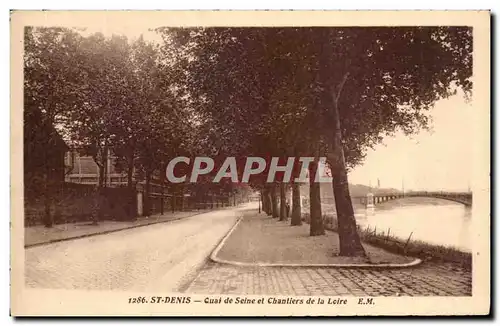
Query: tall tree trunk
column 261, row 200
column 270, row 201
column 99, row 198
column 350, row 243
column 147, row 193
column 57, row 196
column 132, row 209
column 265, row 198
column 162, row 185
column 283, row 216
column 172, row 201
column 266, row 202
column 99, row 202
column 48, row 221
column 316, row 217
column 274, row 202
column 130, row 170
column 182, row 198
column 102, row 176
column 269, row 204
column 102, row 163
column 296, row 205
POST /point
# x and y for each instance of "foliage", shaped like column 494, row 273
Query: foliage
column 283, row 91
column 242, row 92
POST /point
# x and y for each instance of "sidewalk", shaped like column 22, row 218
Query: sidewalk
column 259, row 239
column 37, row 235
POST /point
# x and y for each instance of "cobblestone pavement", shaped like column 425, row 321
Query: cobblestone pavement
column 160, row 257
column 428, row 279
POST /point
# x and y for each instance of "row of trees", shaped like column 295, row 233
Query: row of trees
column 267, row 92
column 112, row 95
column 331, row 92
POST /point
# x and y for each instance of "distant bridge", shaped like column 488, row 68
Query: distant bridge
column 458, row 197
column 464, row 198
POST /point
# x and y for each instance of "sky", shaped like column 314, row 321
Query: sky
column 130, row 30
column 436, row 160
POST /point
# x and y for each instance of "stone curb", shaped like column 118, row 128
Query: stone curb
column 106, row 232
column 213, row 255
column 215, row 259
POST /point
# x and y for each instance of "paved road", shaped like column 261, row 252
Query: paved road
column 159, row 257
column 167, row 257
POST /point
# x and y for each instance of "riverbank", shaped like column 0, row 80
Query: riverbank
column 406, row 247
column 261, row 240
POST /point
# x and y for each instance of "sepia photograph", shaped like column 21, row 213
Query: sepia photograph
column 250, row 163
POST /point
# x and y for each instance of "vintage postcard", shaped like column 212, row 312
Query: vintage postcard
column 250, row 163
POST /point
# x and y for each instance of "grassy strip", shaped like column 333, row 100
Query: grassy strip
column 412, row 248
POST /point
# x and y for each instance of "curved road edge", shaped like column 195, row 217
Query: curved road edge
column 189, row 279
column 214, row 258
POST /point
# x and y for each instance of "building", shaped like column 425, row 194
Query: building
column 83, row 169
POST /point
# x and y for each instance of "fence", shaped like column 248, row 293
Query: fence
column 172, row 203
column 73, row 202
column 367, row 234
column 383, row 237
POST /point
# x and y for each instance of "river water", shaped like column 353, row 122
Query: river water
column 434, row 221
